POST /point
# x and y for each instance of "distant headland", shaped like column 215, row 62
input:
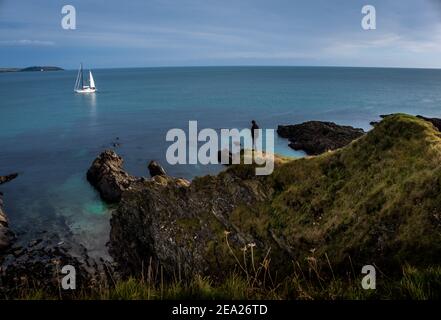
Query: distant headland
column 33, row 68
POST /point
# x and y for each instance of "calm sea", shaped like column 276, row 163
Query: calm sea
column 50, row 135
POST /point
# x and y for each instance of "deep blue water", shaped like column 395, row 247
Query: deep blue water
column 51, row 135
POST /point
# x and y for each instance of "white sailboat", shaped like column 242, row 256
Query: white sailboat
column 80, row 87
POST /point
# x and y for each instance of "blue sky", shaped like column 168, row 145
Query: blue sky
column 147, row 33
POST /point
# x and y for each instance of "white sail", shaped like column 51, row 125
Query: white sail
column 91, row 81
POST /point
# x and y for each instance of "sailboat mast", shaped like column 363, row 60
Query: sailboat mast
column 77, row 81
column 81, row 68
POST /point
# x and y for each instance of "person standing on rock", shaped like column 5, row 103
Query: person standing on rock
column 254, row 131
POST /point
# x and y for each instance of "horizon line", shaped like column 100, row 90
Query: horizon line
column 261, row 66
column 232, row 66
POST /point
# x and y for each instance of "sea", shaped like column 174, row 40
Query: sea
column 50, row 135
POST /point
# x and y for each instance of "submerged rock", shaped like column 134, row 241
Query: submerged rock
column 35, row 259
column 315, row 137
column 108, row 177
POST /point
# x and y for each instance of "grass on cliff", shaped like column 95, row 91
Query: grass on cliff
column 415, row 284
column 376, row 200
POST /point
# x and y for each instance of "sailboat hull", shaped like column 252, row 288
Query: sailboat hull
column 85, row 90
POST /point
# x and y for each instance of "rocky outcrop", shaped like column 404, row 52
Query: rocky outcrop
column 172, row 223
column 435, row 121
column 9, row 177
column 6, row 235
column 179, row 226
column 108, row 177
column 315, row 137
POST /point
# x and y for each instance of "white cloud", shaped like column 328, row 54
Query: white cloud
column 26, row 42
column 411, row 43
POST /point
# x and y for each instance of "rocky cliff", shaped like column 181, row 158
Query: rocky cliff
column 175, row 223
column 6, row 235
column 375, row 201
column 107, row 176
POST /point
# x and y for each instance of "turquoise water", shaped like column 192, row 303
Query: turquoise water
column 50, row 135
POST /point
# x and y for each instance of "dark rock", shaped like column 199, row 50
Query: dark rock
column 9, row 177
column 374, row 123
column 435, row 121
column 6, row 235
column 156, row 169
column 38, row 264
column 108, row 177
column 315, row 137
column 116, row 143
column 36, row 258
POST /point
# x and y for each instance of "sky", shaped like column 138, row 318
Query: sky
column 151, row 33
